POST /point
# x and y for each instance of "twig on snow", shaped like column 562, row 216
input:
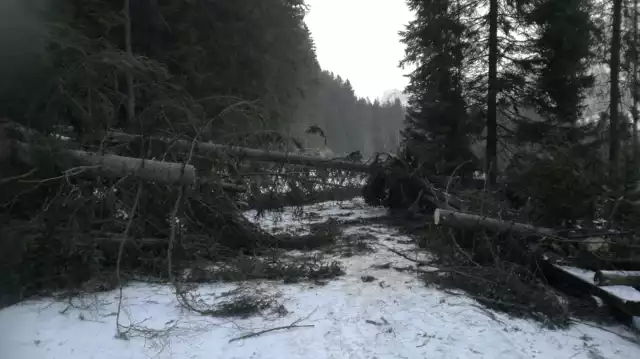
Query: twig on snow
column 405, row 256
column 290, row 326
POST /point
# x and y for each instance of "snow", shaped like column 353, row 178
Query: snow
column 623, row 292
column 395, row 316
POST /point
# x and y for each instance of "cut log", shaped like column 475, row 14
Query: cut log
column 117, row 166
column 473, row 221
column 605, row 278
column 217, row 150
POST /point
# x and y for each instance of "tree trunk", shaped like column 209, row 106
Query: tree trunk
column 492, row 127
column 634, row 88
column 614, row 65
column 473, row 221
column 116, row 166
column 617, row 278
column 131, row 95
column 216, row 150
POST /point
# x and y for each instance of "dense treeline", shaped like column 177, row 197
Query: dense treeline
column 544, row 91
column 233, row 65
column 237, row 67
column 350, row 123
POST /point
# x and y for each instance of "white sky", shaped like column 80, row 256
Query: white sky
column 358, row 40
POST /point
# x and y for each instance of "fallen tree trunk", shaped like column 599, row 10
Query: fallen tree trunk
column 217, row 150
column 605, row 278
column 116, row 166
column 472, row 221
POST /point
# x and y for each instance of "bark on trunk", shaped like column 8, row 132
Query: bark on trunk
column 473, row 221
column 617, row 278
column 216, row 150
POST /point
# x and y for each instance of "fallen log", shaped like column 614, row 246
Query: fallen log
column 118, row 167
column 115, row 166
column 606, row 278
column 472, row 221
column 218, row 150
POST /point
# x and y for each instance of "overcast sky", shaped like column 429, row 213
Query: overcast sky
column 358, row 40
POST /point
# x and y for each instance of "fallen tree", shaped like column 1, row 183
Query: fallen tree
column 218, row 150
column 472, row 221
column 67, row 213
column 428, row 189
column 429, row 195
column 114, row 166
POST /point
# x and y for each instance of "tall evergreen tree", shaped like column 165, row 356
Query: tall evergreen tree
column 560, row 65
column 435, row 134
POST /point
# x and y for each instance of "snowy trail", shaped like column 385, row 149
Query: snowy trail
column 394, row 316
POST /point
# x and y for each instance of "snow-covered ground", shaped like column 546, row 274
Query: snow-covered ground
column 392, row 315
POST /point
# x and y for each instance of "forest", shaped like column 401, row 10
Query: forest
column 133, row 134
column 58, row 66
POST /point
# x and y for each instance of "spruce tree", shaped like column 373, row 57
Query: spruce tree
column 560, row 63
column 435, row 134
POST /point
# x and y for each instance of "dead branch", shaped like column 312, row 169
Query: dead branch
column 290, row 326
column 15, row 178
column 405, row 256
